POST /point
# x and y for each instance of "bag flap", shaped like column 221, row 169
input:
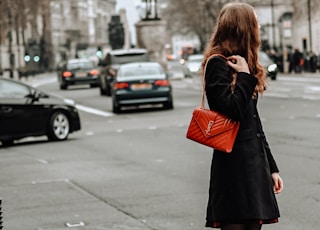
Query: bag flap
column 212, row 123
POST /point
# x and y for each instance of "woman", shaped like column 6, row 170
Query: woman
column 243, row 184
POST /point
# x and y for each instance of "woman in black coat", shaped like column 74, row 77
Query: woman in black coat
column 243, row 183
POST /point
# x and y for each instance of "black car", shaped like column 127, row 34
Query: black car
column 141, row 83
column 26, row 111
column 76, row 72
column 113, row 60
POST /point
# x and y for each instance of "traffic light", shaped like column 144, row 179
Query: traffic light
column 99, row 52
column 27, row 57
column 36, row 58
column 32, row 57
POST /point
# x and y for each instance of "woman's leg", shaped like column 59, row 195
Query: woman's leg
column 253, row 227
column 234, row 227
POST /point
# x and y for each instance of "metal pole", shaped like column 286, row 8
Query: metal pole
column 11, row 55
column 273, row 25
column 1, row 73
column 155, row 9
column 18, row 39
column 310, row 24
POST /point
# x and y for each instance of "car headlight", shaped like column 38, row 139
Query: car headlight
column 193, row 68
column 272, row 67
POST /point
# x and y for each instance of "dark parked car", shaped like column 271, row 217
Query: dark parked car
column 270, row 67
column 141, row 83
column 26, row 111
column 76, row 72
column 110, row 64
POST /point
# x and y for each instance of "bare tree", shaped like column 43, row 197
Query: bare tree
column 189, row 16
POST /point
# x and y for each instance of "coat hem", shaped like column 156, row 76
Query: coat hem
column 218, row 224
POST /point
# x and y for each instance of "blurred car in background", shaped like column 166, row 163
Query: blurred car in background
column 77, row 72
column 26, row 111
column 141, row 83
column 113, row 60
column 192, row 65
column 270, row 67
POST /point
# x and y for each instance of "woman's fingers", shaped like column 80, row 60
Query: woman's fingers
column 238, row 63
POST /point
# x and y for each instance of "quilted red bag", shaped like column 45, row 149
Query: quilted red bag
column 212, row 128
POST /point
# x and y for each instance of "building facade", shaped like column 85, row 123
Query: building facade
column 52, row 30
column 306, row 25
column 79, row 27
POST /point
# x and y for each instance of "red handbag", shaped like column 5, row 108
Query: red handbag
column 212, row 128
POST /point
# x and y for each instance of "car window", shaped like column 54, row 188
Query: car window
column 139, row 71
column 264, row 59
column 10, row 89
column 195, row 58
column 80, row 65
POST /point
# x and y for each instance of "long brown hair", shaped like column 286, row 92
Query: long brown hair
column 237, row 33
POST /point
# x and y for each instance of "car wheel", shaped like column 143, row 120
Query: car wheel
column 93, row 85
column 115, row 108
column 108, row 90
column 7, row 143
column 63, row 86
column 168, row 105
column 58, row 127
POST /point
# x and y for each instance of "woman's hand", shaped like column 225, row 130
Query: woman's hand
column 238, row 63
column 277, row 183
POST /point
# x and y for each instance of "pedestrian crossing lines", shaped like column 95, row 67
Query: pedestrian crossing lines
column 294, row 87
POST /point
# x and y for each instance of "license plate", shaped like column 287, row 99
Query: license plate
column 141, row 86
column 81, row 74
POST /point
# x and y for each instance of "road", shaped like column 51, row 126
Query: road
column 136, row 170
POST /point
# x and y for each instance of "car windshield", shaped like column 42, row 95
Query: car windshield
column 80, row 65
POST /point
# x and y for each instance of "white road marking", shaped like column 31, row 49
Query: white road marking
column 94, row 111
column 43, row 161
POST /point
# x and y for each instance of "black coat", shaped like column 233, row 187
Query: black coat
column 241, row 186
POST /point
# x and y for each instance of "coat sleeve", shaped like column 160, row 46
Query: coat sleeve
column 218, row 78
column 271, row 161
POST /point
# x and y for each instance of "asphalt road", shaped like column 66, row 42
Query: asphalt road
column 136, row 170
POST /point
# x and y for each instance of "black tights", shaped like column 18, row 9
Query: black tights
column 241, row 227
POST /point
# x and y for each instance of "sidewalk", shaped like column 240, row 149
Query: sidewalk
column 302, row 74
column 34, row 80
